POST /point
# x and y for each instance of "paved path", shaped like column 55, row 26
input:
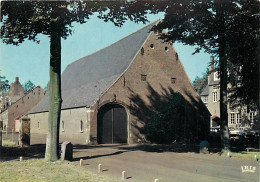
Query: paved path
column 143, row 166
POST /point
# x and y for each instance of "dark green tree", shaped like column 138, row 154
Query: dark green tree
column 25, row 20
column 200, row 83
column 220, row 28
column 28, row 86
column 4, row 84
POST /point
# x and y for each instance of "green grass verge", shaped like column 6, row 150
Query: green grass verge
column 34, row 170
column 244, row 155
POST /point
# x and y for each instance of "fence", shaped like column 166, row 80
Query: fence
column 10, row 136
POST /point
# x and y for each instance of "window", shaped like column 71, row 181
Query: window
column 176, row 56
column 173, row 80
column 81, row 126
column 214, row 96
column 151, row 46
column 143, row 77
column 38, row 125
column 238, row 118
column 206, row 99
column 62, row 125
column 166, row 49
column 232, row 118
column 251, row 116
column 142, row 51
column 216, row 76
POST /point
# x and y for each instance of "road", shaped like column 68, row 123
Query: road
column 146, row 166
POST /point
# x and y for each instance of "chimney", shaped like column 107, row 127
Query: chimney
column 16, row 79
column 211, row 69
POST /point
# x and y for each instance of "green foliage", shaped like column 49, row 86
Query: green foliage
column 229, row 30
column 28, row 85
column 4, row 84
column 168, row 124
column 199, row 84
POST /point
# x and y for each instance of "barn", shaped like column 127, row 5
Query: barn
column 108, row 96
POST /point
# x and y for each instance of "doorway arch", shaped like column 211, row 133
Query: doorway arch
column 112, row 124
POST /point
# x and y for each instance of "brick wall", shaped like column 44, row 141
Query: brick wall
column 23, row 105
column 158, row 61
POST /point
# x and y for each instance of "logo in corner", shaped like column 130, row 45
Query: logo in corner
column 248, row 169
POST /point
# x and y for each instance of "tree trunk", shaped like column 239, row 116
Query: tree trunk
column 52, row 143
column 225, row 142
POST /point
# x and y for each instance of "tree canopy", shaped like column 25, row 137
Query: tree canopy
column 4, row 84
column 202, row 23
column 28, row 85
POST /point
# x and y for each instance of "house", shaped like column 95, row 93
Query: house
column 107, row 95
column 238, row 117
column 18, row 106
column 15, row 92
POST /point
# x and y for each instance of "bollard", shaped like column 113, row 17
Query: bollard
column 21, row 158
column 156, row 180
column 99, row 168
column 256, row 157
column 228, row 154
column 81, row 162
column 123, row 175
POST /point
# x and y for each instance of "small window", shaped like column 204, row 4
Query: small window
column 206, row 99
column 28, row 97
column 142, row 51
column 251, row 116
column 17, row 106
column 173, row 80
column 232, row 118
column 176, row 56
column 81, row 126
column 151, row 46
column 38, row 125
column 238, row 117
column 33, row 93
column 166, row 49
column 143, row 77
column 214, row 96
column 62, row 125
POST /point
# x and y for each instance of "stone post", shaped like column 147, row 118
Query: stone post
column 67, row 151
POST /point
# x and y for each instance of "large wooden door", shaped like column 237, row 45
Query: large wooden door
column 112, row 124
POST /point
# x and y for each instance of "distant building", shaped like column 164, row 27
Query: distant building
column 16, row 103
column 107, row 94
column 238, row 117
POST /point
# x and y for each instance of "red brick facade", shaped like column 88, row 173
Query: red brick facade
column 164, row 73
column 23, row 105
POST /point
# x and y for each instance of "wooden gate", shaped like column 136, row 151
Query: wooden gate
column 112, row 124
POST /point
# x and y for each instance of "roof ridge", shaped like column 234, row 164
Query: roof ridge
column 113, row 42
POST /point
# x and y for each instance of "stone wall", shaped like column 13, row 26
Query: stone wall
column 70, row 125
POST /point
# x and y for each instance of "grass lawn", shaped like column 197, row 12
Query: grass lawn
column 40, row 170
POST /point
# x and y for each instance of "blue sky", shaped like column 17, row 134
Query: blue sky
column 30, row 61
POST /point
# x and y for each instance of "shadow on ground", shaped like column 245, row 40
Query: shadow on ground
column 13, row 153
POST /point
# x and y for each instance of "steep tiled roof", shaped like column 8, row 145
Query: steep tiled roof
column 205, row 91
column 85, row 80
